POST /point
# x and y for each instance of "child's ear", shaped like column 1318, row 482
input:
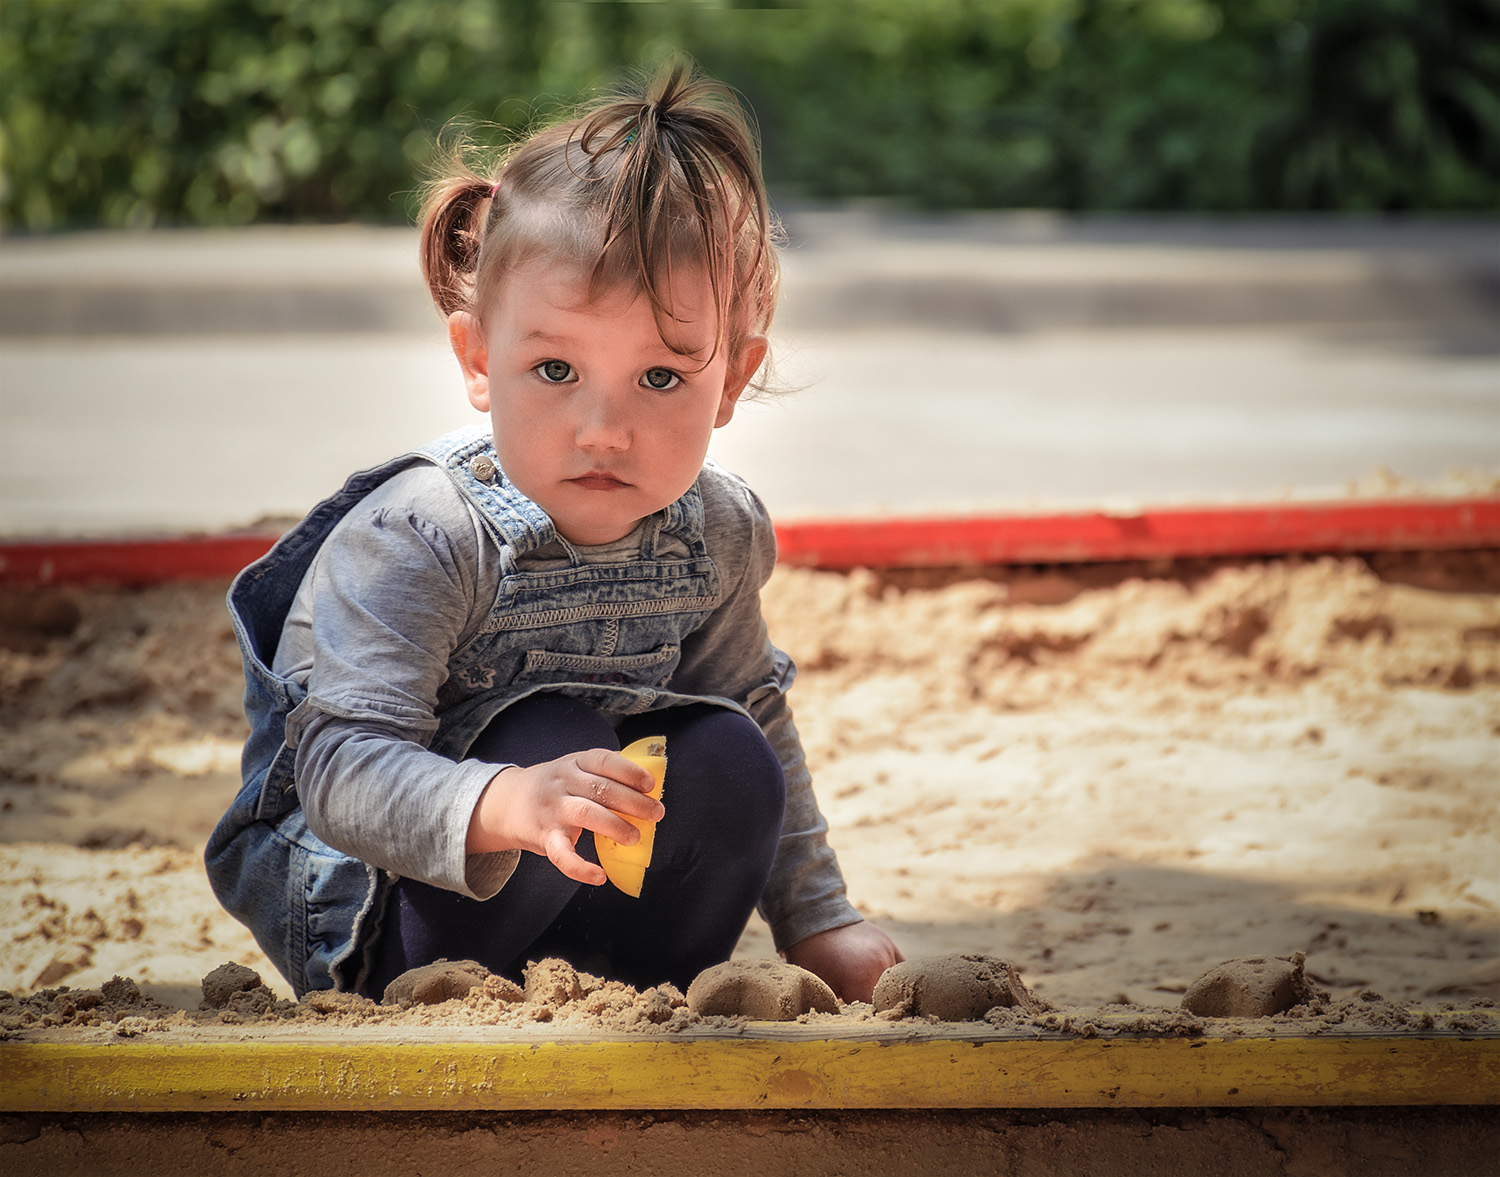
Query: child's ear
column 751, row 355
column 466, row 337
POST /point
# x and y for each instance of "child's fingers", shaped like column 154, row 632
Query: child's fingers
column 615, row 798
column 603, row 806
column 612, row 794
column 613, row 766
column 561, row 854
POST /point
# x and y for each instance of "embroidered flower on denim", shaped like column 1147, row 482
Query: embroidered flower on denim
column 477, row 678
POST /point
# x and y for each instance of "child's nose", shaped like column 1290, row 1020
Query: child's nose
column 604, row 422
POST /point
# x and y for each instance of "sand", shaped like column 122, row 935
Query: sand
column 1114, row 779
column 1091, row 792
column 766, row 990
column 969, row 995
column 963, row 987
column 1256, row 987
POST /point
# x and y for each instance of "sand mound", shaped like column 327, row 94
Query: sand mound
column 238, row 989
column 118, row 1003
column 1255, row 987
column 445, row 980
column 765, row 990
column 959, row 988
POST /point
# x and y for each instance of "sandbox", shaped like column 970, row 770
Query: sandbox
column 1115, row 774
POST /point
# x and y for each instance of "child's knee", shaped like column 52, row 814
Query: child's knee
column 729, row 774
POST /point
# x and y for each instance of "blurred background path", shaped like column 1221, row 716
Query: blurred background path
column 204, row 380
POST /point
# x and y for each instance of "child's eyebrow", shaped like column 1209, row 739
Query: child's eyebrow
column 539, row 335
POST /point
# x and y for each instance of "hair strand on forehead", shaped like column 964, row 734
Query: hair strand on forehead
column 690, row 161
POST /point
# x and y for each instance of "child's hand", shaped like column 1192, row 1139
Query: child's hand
column 850, row 958
column 546, row 807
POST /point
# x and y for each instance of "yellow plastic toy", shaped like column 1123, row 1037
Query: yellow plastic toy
column 626, row 865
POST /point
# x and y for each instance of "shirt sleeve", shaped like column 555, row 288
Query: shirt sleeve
column 731, row 656
column 390, row 594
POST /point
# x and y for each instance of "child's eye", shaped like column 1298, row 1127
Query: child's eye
column 661, row 379
column 554, row 371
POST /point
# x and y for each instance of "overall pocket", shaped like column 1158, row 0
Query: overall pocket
column 330, row 896
column 651, row 669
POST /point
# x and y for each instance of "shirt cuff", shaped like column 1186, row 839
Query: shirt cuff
column 834, row 912
column 476, row 876
column 485, row 874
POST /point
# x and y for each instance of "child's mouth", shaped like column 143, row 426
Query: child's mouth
column 599, row 480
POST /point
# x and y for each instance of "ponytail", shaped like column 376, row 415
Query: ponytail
column 452, row 236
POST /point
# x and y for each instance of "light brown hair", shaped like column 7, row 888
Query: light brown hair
column 631, row 189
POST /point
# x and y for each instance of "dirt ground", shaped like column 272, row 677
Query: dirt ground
column 1278, row 1142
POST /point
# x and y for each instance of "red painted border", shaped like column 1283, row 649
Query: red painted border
column 1228, row 531
column 1407, row 525
column 135, row 561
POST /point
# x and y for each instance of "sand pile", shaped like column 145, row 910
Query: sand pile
column 769, row 990
column 456, row 993
column 1257, row 987
column 1113, row 778
column 1247, row 997
column 1255, row 625
column 961, row 988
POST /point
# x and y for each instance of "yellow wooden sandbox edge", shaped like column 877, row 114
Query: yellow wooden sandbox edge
column 141, row 1076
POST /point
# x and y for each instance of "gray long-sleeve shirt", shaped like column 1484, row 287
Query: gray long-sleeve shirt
column 408, row 577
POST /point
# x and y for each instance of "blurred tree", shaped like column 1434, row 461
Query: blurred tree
column 1396, row 106
column 227, row 111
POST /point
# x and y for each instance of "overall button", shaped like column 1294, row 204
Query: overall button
column 482, row 468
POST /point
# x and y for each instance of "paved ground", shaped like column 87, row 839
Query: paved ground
column 207, row 380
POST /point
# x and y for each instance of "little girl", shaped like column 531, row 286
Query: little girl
column 443, row 660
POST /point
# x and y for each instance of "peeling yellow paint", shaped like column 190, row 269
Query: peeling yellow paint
column 748, row 1073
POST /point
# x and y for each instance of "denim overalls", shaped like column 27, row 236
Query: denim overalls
column 608, row 633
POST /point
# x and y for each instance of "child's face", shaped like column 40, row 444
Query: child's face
column 596, row 419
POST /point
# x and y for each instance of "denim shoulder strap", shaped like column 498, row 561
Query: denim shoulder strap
column 516, row 524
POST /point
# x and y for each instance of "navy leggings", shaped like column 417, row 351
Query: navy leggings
column 724, row 797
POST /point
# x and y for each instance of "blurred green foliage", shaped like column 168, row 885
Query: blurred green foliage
column 143, row 112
